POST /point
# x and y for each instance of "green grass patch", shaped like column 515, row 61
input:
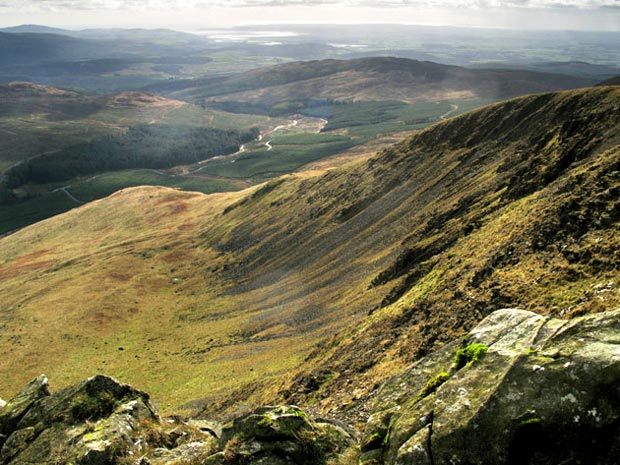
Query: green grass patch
column 530, row 421
column 19, row 215
column 372, row 119
column 305, row 138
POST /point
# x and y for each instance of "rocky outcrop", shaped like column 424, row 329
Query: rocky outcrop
column 282, row 435
column 519, row 389
column 93, row 422
column 12, row 413
column 102, row 421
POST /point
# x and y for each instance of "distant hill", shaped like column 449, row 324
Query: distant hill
column 153, row 36
column 20, row 48
column 18, row 90
column 37, row 45
column 572, row 68
column 36, row 119
column 379, row 78
column 99, row 60
column 36, row 29
column 307, row 286
column 166, row 36
column 50, row 103
column 615, row 81
column 121, row 139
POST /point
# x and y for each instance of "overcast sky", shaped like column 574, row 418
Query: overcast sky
column 193, row 14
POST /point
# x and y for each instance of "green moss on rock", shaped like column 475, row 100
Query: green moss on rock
column 470, row 354
column 433, row 384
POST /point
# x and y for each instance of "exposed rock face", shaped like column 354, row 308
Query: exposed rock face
column 93, row 422
column 12, row 413
column 534, row 391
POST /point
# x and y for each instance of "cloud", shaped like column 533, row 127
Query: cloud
column 481, row 4
column 56, row 5
column 428, row 3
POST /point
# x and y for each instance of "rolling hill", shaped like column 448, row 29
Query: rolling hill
column 86, row 139
column 313, row 288
column 378, row 78
column 572, row 68
column 163, row 36
column 99, row 60
column 36, row 119
column 31, row 44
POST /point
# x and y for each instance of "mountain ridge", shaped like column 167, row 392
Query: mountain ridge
column 377, row 78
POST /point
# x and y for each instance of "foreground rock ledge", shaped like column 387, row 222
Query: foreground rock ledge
column 518, row 389
column 536, row 391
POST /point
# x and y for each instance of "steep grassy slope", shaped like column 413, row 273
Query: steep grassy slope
column 379, row 78
column 194, row 296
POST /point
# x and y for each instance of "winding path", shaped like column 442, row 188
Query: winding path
column 453, row 108
column 69, row 194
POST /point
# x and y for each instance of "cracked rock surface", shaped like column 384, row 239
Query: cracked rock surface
column 542, row 391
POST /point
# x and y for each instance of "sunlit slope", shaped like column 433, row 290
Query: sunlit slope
column 190, row 296
column 123, row 286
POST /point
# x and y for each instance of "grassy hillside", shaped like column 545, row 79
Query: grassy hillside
column 54, row 136
column 113, row 60
column 29, row 47
column 312, row 289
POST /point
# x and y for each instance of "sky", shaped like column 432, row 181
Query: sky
column 196, row 14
